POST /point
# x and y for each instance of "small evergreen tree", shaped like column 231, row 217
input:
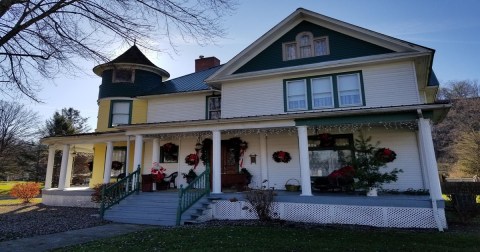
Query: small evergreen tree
column 368, row 162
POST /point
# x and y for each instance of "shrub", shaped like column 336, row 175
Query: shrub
column 25, row 191
column 463, row 196
column 261, row 201
column 97, row 194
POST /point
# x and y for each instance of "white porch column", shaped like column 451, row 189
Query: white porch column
column 304, row 161
column 108, row 163
column 156, row 150
column 264, row 160
column 127, row 165
column 68, row 177
column 51, row 160
column 137, row 157
column 216, row 164
column 428, row 153
column 427, row 150
column 63, row 167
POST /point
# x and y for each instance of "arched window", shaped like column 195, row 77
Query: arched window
column 305, row 46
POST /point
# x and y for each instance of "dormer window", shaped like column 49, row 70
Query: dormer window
column 305, row 46
column 123, row 75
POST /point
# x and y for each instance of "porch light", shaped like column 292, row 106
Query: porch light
column 198, row 146
column 253, row 158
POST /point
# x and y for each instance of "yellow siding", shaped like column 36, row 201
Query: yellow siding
column 103, row 116
column 139, row 114
column 98, row 164
column 139, row 111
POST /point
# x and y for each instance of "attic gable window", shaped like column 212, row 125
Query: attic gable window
column 123, row 75
column 305, row 46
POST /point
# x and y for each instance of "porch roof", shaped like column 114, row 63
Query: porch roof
column 434, row 111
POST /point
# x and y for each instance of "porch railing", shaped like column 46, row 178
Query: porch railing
column 113, row 194
column 189, row 195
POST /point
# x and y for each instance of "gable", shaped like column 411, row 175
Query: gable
column 341, row 46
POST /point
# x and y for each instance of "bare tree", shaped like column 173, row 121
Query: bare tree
column 43, row 38
column 459, row 89
column 17, row 126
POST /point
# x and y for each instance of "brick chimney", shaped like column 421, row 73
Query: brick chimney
column 203, row 63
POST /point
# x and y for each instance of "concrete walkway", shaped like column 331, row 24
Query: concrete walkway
column 73, row 237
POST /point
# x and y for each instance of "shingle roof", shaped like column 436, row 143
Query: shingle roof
column 187, row 83
column 133, row 55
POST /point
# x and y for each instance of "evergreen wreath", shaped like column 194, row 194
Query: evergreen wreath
column 281, row 156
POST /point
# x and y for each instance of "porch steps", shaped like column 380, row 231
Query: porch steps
column 201, row 211
column 150, row 208
column 153, row 208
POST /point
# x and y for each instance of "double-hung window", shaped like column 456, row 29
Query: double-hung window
column 296, row 95
column 322, row 92
column 349, row 90
column 214, row 107
column 120, row 113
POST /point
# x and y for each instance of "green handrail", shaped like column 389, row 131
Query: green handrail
column 113, row 194
column 189, row 195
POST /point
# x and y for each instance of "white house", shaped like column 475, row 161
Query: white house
column 307, row 77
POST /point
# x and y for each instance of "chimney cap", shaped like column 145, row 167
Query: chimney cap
column 201, row 57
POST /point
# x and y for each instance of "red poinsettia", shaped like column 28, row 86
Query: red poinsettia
column 192, row 159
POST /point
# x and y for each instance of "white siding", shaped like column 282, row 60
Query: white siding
column 178, row 107
column 279, row 173
column 390, row 85
column 404, row 143
column 261, row 97
column 385, row 85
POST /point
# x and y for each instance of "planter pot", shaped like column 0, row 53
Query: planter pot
column 372, row 192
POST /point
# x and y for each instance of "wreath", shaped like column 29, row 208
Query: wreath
column 281, row 156
column 385, row 155
column 192, row 159
column 326, row 140
column 170, row 148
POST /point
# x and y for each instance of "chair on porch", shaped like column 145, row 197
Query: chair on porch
column 171, row 179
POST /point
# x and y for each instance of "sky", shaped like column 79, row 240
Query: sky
column 450, row 27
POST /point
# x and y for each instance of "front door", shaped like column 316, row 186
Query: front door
column 229, row 160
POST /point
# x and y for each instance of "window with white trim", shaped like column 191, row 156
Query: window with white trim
column 296, row 95
column 323, row 92
column 123, row 75
column 120, row 113
column 214, row 107
column 349, row 90
column 305, row 46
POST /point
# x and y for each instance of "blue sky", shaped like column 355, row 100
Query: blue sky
column 450, row 27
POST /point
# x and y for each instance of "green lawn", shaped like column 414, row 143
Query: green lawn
column 284, row 238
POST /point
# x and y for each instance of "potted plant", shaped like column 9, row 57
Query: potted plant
column 190, row 176
column 368, row 162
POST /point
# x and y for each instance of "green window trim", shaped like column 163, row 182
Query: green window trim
column 110, row 119
column 334, row 83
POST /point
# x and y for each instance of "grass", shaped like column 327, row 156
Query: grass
column 283, row 238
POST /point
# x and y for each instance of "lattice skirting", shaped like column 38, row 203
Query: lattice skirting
column 377, row 216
